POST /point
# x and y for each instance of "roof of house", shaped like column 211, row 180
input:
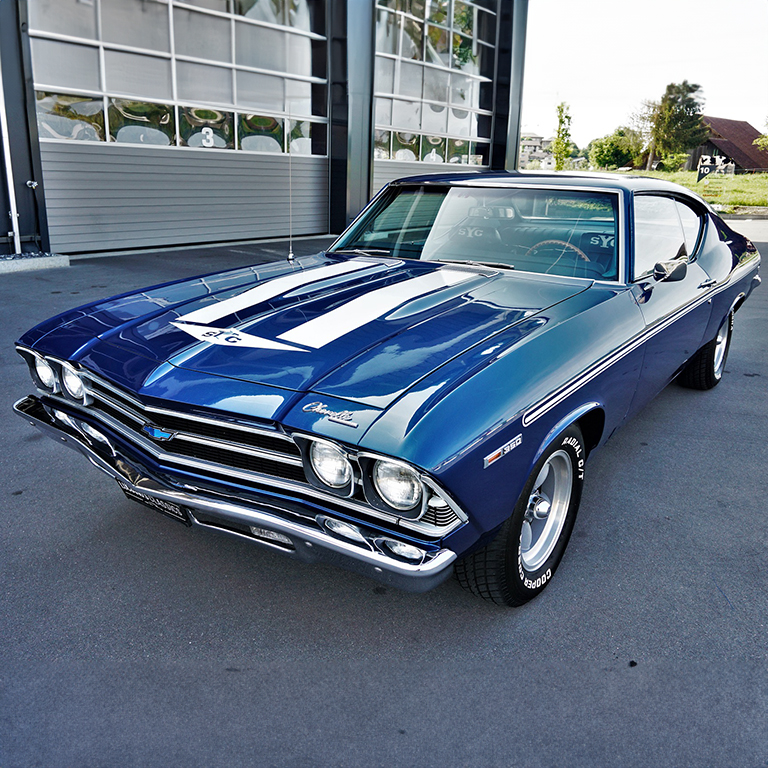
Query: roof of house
column 734, row 138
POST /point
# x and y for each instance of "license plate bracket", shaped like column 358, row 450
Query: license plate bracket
column 168, row 508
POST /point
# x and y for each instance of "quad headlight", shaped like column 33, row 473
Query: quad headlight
column 73, row 383
column 45, row 373
column 398, row 485
column 330, row 464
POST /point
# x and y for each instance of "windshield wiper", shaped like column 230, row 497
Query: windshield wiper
column 364, row 251
column 492, row 264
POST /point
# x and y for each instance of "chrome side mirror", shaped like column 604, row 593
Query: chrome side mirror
column 670, row 271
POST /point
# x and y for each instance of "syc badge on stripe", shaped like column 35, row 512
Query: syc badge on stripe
column 322, row 330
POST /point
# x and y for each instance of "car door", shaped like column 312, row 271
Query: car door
column 675, row 309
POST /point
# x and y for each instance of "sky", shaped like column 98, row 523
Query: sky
column 605, row 57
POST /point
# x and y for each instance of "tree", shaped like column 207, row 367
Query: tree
column 623, row 147
column 677, row 125
column 561, row 146
column 762, row 141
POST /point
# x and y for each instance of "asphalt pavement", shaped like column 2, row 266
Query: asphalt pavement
column 128, row 640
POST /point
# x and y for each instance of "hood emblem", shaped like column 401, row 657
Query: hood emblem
column 156, row 433
column 339, row 417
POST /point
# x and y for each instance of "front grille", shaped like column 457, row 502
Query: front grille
column 250, row 448
column 226, row 450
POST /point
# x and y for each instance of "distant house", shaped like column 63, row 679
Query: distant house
column 732, row 139
column 535, row 149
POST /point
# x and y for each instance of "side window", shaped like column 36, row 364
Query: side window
column 692, row 224
column 658, row 232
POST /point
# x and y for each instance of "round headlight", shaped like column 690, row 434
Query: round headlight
column 330, row 464
column 398, row 485
column 45, row 373
column 72, row 382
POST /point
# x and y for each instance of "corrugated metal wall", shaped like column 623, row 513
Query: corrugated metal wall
column 385, row 171
column 112, row 196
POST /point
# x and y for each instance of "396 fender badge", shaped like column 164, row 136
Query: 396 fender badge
column 503, row 451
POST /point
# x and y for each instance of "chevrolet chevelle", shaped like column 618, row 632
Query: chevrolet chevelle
column 422, row 397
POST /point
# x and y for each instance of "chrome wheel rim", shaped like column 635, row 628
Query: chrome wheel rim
column 721, row 346
column 546, row 510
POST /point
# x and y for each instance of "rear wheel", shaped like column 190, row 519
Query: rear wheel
column 524, row 555
column 705, row 369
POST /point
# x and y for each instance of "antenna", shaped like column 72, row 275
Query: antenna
column 290, row 186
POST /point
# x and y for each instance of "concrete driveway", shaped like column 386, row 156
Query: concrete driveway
column 128, row 640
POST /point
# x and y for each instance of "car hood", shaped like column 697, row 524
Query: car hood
column 361, row 329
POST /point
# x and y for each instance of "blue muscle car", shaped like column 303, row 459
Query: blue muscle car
column 422, row 397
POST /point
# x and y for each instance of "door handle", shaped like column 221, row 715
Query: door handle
column 707, row 284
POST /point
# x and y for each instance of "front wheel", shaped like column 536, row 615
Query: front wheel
column 524, row 555
column 705, row 369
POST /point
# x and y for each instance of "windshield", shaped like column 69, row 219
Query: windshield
column 558, row 232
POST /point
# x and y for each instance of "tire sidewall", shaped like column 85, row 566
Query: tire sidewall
column 523, row 584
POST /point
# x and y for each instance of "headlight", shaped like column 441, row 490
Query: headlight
column 45, row 373
column 330, row 464
column 398, row 485
column 72, row 382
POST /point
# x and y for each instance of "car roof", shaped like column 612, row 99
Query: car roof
column 616, row 181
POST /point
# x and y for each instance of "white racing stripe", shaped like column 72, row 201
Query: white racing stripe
column 271, row 289
column 231, row 337
column 358, row 312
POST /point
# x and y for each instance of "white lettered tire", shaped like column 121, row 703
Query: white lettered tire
column 525, row 553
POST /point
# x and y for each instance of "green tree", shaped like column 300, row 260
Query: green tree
column 677, row 126
column 561, row 146
column 762, row 141
column 623, row 147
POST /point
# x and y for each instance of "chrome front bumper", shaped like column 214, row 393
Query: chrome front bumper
column 235, row 517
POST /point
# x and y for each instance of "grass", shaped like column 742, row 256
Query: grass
column 744, row 189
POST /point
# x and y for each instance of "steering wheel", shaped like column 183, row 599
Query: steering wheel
column 561, row 243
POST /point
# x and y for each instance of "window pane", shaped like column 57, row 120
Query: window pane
column 691, row 222
column 308, row 15
column 59, row 116
column 480, row 154
column 410, row 82
column 67, row 17
column 458, row 151
column 406, row 114
column 64, row 64
column 463, row 18
column 462, row 91
column 438, row 46
column 263, row 92
column 306, row 138
column 260, row 134
column 206, row 128
column 435, row 84
column 381, row 145
column 199, row 82
column 260, row 47
column 202, row 36
column 385, row 75
column 387, row 32
column 298, row 97
column 459, row 122
column 413, row 36
column 405, row 146
column 438, row 11
column 383, row 111
column 486, row 27
column 140, row 23
column 433, row 149
column 658, row 234
column 433, row 118
column 138, row 75
column 272, row 11
column 136, row 122
column 299, row 55
column 464, row 56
